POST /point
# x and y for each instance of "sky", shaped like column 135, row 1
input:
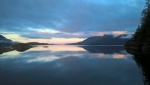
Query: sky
column 67, row 21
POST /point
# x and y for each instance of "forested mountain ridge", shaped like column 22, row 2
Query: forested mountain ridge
column 104, row 40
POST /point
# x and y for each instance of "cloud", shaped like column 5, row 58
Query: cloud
column 119, row 32
column 69, row 16
column 127, row 37
column 50, row 35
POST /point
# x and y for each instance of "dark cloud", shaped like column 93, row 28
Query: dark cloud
column 70, row 16
column 44, row 35
column 49, row 35
column 35, row 36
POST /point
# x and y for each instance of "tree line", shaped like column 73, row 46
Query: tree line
column 142, row 33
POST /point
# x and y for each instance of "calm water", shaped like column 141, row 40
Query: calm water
column 70, row 65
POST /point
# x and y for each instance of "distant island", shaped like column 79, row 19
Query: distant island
column 141, row 38
column 37, row 43
column 104, row 40
column 7, row 45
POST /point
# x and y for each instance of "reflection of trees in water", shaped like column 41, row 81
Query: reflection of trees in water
column 142, row 60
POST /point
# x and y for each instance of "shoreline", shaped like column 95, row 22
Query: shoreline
column 19, row 47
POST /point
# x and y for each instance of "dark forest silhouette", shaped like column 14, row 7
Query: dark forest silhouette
column 141, row 38
column 139, row 45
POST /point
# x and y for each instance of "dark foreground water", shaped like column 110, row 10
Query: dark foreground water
column 70, row 65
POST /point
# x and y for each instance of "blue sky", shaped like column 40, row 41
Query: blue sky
column 78, row 19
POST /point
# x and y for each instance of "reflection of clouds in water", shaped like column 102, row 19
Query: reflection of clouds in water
column 53, row 56
column 30, row 57
column 102, row 55
column 49, row 57
column 119, row 56
column 113, row 56
column 77, row 67
column 52, row 53
column 56, row 48
column 43, row 59
column 11, row 54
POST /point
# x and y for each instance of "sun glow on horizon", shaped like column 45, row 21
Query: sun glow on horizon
column 18, row 38
column 51, row 38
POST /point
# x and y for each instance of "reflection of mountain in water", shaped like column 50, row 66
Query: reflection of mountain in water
column 104, row 49
column 142, row 60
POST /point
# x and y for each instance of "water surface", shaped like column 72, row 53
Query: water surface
column 70, row 65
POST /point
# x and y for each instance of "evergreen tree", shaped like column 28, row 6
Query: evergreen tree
column 143, row 31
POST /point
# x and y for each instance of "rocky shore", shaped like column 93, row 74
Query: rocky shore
column 137, row 45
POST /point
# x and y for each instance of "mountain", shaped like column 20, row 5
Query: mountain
column 104, row 40
column 4, row 40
